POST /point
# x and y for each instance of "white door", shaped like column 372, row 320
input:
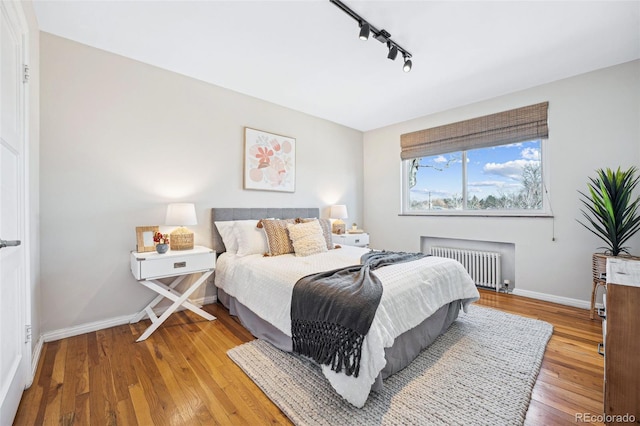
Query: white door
column 15, row 351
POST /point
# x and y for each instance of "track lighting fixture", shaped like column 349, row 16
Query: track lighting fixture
column 393, row 51
column 381, row 35
column 364, row 31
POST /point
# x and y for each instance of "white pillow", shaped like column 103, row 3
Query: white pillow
column 225, row 228
column 307, row 238
column 251, row 239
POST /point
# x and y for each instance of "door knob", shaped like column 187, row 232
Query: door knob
column 5, row 243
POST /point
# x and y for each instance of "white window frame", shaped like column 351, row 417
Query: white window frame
column 545, row 211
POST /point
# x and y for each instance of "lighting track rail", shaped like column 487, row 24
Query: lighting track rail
column 382, row 35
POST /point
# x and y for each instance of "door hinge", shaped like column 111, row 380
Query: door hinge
column 25, row 73
column 27, row 333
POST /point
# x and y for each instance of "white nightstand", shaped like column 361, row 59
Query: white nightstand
column 148, row 267
column 358, row 240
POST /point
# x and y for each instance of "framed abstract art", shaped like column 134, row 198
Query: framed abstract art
column 269, row 161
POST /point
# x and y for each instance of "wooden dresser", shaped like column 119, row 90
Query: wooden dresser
column 622, row 341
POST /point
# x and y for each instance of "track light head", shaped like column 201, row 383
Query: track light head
column 407, row 65
column 364, row 30
column 393, row 51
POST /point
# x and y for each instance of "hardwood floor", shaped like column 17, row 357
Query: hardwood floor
column 181, row 375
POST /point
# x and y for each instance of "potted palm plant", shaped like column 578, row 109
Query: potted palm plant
column 610, row 211
column 611, row 214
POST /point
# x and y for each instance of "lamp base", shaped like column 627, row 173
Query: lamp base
column 181, row 239
column 338, row 227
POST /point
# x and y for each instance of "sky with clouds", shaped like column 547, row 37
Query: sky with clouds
column 490, row 171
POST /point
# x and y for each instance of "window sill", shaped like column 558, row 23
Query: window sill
column 482, row 214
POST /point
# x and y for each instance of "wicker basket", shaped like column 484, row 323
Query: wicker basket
column 599, row 266
column 599, row 272
column 181, row 239
column 338, row 228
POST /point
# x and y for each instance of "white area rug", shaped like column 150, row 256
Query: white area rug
column 480, row 372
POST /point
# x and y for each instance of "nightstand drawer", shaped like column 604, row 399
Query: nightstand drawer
column 153, row 265
column 359, row 240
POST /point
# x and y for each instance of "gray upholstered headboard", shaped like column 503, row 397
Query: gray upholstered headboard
column 223, row 214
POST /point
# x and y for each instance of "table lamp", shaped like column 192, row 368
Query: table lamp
column 338, row 212
column 181, row 214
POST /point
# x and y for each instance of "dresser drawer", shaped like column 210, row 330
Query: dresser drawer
column 171, row 264
column 623, row 271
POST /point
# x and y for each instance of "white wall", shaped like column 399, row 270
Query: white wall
column 594, row 122
column 122, row 139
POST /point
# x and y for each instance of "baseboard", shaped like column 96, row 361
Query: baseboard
column 35, row 359
column 76, row 330
column 576, row 303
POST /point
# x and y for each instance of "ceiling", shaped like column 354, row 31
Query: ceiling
column 306, row 54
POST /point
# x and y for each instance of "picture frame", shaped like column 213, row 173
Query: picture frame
column 144, row 238
column 269, row 161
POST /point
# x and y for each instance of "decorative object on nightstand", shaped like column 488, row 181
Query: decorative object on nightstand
column 162, row 242
column 338, row 212
column 181, row 214
column 351, row 239
column 354, row 229
column 144, row 238
column 148, row 268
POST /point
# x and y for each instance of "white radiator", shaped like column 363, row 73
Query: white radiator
column 483, row 266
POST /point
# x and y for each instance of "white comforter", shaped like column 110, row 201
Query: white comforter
column 412, row 292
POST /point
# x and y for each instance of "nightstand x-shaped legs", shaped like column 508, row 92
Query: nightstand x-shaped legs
column 169, row 292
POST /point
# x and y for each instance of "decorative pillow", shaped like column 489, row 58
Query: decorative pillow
column 225, row 228
column 278, row 236
column 307, row 238
column 251, row 239
column 325, row 224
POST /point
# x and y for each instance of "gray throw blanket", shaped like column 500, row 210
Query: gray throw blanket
column 332, row 311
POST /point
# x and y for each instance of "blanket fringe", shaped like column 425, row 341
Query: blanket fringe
column 328, row 344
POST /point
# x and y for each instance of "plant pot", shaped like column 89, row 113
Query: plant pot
column 599, row 266
column 162, row 248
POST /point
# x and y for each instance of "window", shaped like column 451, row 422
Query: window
column 491, row 165
column 501, row 178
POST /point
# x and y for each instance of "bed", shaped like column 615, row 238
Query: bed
column 420, row 299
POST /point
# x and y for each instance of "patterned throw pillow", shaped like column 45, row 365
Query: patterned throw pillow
column 307, row 238
column 325, row 224
column 278, row 236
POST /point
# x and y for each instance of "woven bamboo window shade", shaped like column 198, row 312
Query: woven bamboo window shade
column 516, row 125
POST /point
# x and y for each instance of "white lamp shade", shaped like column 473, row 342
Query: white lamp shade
column 181, row 214
column 339, row 211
